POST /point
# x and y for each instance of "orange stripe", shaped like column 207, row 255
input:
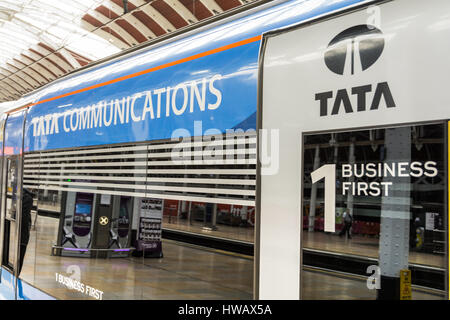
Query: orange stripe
column 163, row 66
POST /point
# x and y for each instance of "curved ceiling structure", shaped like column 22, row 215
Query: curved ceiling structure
column 42, row 40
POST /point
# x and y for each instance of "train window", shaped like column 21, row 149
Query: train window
column 389, row 209
column 101, row 214
column 11, row 186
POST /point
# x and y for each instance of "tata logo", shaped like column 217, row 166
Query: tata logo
column 354, row 50
column 349, row 53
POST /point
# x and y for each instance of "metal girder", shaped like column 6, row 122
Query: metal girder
column 11, row 84
column 70, row 58
column 21, row 82
column 144, row 29
column 118, row 10
column 212, row 6
column 5, row 71
column 3, row 96
column 7, row 89
column 23, row 74
column 112, row 39
column 37, row 75
column 11, row 68
column 182, row 11
column 158, row 17
column 60, row 62
column 115, row 27
column 45, row 62
column 43, row 73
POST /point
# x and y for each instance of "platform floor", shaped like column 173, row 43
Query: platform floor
column 185, row 272
column 363, row 246
column 359, row 245
column 325, row 285
column 245, row 234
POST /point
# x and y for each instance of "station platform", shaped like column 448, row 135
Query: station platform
column 185, row 272
column 359, row 245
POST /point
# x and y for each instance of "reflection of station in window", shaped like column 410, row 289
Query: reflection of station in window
column 151, row 205
column 405, row 174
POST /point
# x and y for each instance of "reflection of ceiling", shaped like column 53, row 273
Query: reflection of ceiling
column 41, row 40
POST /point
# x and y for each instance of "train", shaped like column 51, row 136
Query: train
column 171, row 131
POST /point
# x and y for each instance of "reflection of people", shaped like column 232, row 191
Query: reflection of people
column 348, row 221
column 27, row 203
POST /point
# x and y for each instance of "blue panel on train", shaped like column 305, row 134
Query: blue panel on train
column 24, row 290
column 14, row 134
column 183, row 100
column 214, row 92
column 6, row 285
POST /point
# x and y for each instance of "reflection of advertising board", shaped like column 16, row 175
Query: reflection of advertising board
column 170, row 207
column 83, row 214
column 243, row 214
column 149, row 231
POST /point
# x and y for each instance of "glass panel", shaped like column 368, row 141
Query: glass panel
column 98, row 236
column 220, row 220
column 95, row 242
column 28, row 241
column 11, row 243
column 11, row 187
column 124, row 257
column 390, row 210
column 11, row 183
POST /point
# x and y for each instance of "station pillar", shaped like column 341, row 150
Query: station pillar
column 312, row 203
column 395, row 216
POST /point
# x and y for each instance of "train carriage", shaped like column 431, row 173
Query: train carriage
column 171, row 140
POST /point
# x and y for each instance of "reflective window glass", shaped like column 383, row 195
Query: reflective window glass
column 387, row 188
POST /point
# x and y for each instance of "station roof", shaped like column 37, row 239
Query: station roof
column 42, row 40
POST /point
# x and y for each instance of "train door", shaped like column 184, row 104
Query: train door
column 353, row 155
column 11, row 204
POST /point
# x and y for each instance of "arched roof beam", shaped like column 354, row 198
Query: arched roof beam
column 182, row 11
column 212, row 6
column 158, row 18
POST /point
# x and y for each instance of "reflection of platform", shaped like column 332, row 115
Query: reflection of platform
column 363, row 246
column 359, row 245
column 91, row 250
column 325, row 285
column 185, row 272
column 245, row 234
